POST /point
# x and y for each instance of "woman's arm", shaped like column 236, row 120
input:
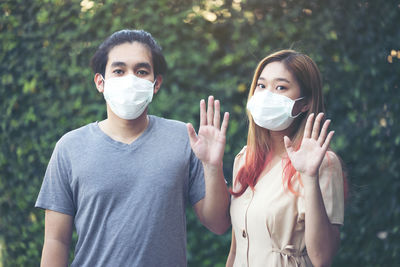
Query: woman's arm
column 57, row 239
column 322, row 238
column 232, row 252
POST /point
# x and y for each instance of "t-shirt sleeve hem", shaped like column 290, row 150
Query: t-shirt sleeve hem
column 336, row 221
column 55, row 208
column 196, row 199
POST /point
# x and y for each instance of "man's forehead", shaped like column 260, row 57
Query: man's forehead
column 129, row 53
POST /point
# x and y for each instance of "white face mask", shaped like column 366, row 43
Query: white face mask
column 128, row 96
column 271, row 111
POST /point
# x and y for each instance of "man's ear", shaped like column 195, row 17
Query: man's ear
column 98, row 80
column 157, row 86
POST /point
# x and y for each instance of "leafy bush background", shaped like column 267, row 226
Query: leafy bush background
column 212, row 47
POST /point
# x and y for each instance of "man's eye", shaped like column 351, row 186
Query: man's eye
column 118, row 71
column 142, row 72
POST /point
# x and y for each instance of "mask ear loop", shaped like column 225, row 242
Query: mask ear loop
column 300, row 98
column 104, row 81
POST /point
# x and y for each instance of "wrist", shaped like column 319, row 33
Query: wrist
column 309, row 180
column 212, row 167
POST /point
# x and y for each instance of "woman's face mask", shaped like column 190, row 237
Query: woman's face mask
column 272, row 111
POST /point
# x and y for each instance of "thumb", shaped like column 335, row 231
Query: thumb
column 288, row 145
column 192, row 134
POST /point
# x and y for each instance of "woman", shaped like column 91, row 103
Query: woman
column 288, row 188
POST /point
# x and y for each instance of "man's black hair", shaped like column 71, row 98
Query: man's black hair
column 100, row 58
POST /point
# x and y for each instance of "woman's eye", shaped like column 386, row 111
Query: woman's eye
column 261, row 86
column 279, row 88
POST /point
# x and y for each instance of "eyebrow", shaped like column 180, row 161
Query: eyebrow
column 138, row 65
column 118, row 64
column 277, row 79
column 143, row 65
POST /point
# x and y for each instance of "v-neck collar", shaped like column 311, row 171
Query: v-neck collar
column 135, row 143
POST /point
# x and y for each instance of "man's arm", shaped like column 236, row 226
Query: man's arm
column 57, row 239
column 209, row 146
column 213, row 209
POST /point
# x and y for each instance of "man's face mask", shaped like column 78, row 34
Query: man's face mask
column 128, row 96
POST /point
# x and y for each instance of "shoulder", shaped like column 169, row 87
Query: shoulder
column 331, row 171
column 241, row 153
column 168, row 124
column 239, row 160
column 76, row 137
column 170, row 130
column 331, row 161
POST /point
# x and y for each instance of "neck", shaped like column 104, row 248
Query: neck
column 277, row 143
column 125, row 131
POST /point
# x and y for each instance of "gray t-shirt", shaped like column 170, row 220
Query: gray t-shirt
column 128, row 200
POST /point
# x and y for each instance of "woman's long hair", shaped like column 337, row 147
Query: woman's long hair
column 258, row 152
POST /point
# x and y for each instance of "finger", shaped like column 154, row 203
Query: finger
column 217, row 116
column 203, row 114
column 224, row 125
column 308, row 128
column 288, row 145
column 210, row 110
column 324, row 132
column 317, row 126
column 328, row 140
column 192, row 134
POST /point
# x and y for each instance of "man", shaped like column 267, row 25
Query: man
column 124, row 182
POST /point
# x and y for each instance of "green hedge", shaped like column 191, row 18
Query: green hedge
column 212, row 47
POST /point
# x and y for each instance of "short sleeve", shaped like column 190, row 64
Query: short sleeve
column 196, row 180
column 331, row 184
column 55, row 193
column 237, row 164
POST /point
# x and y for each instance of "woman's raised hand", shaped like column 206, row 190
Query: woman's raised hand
column 209, row 144
column 308, row 158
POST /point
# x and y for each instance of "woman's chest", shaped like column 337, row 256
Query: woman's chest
column 266, row 208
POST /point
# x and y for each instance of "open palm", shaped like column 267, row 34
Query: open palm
column 209, row 144
column 308, row 158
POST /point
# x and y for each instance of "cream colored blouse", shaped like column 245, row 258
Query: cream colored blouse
column 269, row 222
